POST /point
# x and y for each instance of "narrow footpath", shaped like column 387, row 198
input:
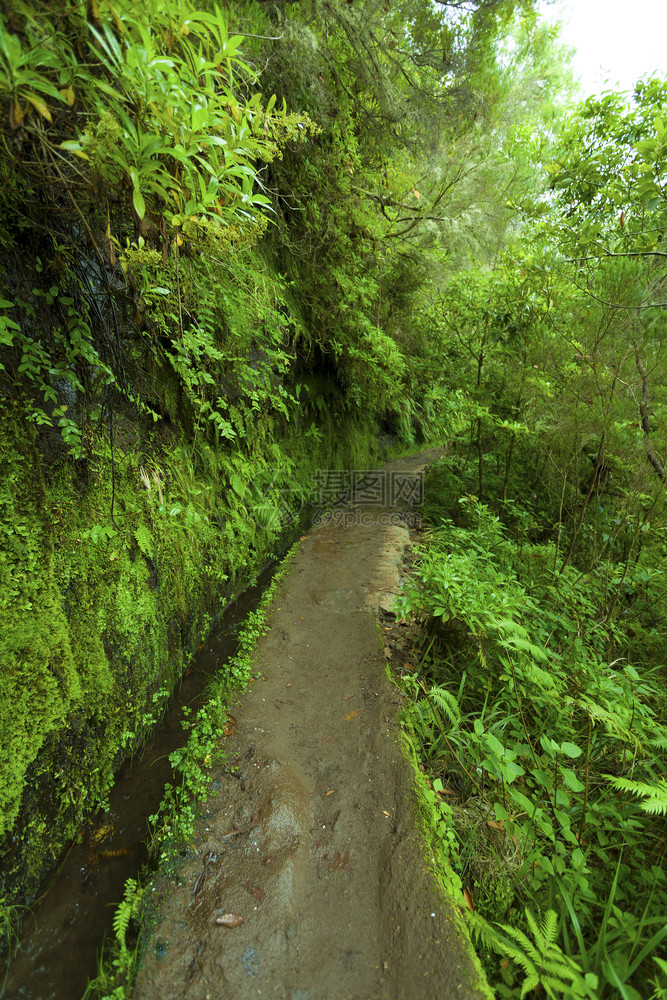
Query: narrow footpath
column 310, row 836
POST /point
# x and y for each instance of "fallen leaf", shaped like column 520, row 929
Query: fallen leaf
column 15, row 114
column 408, row 666
column 303, row 538
column 230, row 725
column 330, row 792
column 387, row 652
column 229, row 920
column 337, row 860
column 515, row 841
column 254, row 890
column 386, row 813
column 495, row 826
column 40, row 106
column 467, row 895
column 505, row 964
column 352, row 715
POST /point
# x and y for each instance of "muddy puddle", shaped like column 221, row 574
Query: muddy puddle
column 63, row 934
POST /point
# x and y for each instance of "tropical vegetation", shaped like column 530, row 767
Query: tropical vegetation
column 243, row 242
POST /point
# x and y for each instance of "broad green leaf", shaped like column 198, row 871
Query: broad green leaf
column 571, row 781
column 138, row 202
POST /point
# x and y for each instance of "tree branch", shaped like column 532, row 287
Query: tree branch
column 646, row 425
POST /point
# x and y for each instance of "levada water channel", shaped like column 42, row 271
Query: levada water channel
column 63, row 935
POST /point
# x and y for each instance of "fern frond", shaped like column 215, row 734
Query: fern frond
column 447, row 704
column 144, row 540
column 517, row 642
column 529, row 984
column 548, row 930
column 530, row 958
column 609, row 720
column 542, row 961
column 654, row 794
column 126, row 911
column 267, row 516
column 507, row 625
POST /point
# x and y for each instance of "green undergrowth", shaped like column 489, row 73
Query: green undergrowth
column 174, row 824
column 538, row 723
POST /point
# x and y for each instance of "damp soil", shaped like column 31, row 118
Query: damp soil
column 306, row 879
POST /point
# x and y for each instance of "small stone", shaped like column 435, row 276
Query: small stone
column 250, row 961
column 386, row 605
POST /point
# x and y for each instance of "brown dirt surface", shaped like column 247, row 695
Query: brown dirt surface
column 308, row 879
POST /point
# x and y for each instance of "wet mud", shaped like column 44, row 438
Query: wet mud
column 307, row 879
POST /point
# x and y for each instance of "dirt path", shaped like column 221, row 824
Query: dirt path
column 313, row 840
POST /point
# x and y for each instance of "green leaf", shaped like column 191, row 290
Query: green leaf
column 571, row 750
column 571, row 781
column 138, row 202
column 494, row 745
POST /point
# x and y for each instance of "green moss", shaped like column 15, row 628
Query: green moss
column 100, row 613
column 440, row 865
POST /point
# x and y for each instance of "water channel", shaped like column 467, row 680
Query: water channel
column 62, row 937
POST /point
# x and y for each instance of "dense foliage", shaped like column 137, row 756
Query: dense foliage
column 204, row 296
column 540, row 709
column 244, row 241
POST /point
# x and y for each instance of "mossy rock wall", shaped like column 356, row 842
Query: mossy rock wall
column 111, row 574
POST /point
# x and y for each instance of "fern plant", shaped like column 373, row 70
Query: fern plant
column 654, row 795
column 126, row 911
column 546, row 968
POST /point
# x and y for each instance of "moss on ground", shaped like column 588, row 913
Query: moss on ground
column 437, row 860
